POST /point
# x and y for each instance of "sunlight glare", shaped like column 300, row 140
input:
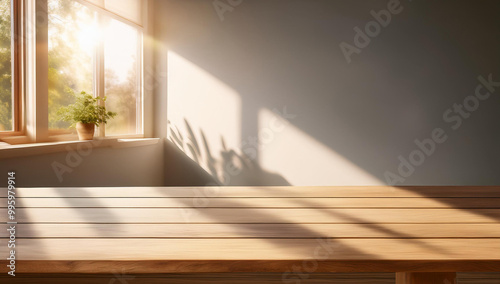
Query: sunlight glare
column 89, row 36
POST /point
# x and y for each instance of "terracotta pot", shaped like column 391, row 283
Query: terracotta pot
column 85, row 131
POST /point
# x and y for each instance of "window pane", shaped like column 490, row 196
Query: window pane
column 6, row 113
column 122, row 78
column 73, row 35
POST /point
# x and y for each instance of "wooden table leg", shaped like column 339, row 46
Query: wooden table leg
column 426, row 278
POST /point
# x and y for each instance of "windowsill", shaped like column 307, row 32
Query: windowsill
column 23, row 150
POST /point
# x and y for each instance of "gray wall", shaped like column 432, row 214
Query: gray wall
column 137, row 166
column 334, row 122
column 351, row 121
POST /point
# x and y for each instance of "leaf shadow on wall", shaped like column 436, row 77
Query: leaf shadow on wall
column 229, row 167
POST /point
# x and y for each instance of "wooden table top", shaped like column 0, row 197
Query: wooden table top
column 255, row 229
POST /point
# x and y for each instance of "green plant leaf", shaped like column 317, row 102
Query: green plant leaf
column 86, row 109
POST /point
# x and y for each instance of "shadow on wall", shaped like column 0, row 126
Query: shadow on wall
column 368, row 112
column 229, row 167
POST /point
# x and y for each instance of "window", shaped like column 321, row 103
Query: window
column 81, row 40
column 122, row 73
column 94, row 46
column 72, row 27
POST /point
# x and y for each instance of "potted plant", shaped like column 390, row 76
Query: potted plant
column 86, row 113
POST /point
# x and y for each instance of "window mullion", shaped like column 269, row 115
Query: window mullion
column 20, row 66
column 37, row 117
column 99, row 72
column 14, row 64
column 139, row 99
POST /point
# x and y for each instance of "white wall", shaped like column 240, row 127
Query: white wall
column 275, row 70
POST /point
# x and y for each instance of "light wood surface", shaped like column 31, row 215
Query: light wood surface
column 283, row 231
column 256, row 202
column 245, row 215
column 257, row 249
column 255, row 229
column 263, row 191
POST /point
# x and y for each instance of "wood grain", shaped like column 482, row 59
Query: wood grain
column 255, row 229
column 270, row 192
column 164, row 202
column 426, row 278
column 250, row 266
column 238, row 278
column 256, row 249
column 246, row 215
column 37, row 230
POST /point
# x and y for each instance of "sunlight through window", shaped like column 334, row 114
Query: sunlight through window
column 80, row 40
column 72, row 39
column 121, row 53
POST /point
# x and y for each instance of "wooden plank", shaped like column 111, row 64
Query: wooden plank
column 241, row 275
column 245, row 215
column 270, row 192
column 231, row 266
column 479, row 281
column 477, row 276
column 346, row 202
column 196, row 280
column 257, row 249
column 238, row 278
column 426, row 278
column 254, row 231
